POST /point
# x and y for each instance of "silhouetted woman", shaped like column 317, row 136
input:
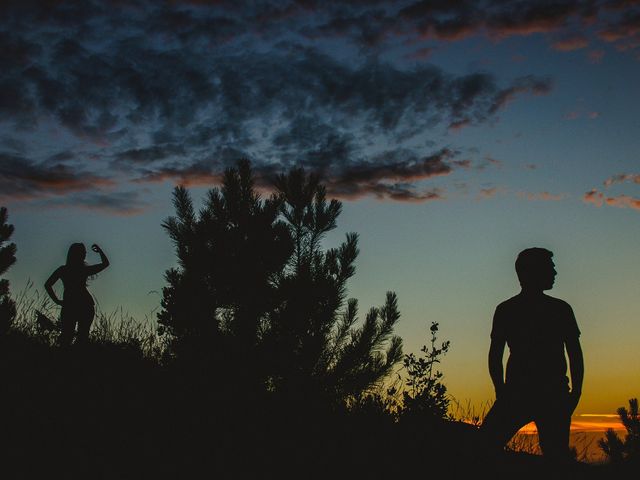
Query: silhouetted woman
column 77, row 303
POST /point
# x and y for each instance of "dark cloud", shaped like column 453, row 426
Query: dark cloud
column 179, row 90
column 111, row 203
column 623, row 28
column 571, row 42
column 149, row 154
column 22, row 179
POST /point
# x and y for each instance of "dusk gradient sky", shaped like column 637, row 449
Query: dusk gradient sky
column 456, row 133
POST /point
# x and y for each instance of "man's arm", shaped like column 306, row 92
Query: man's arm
column 496, row 369
column 576, row 365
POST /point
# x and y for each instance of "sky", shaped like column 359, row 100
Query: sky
column 456, row 133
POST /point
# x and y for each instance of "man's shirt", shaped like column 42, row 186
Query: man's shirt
column 535, row 327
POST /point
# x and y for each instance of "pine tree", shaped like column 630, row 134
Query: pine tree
column 227, row 253
column 313, row 335
column 617, row 449
column 254, row 283
column 7, row 259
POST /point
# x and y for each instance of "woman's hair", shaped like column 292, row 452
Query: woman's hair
column 76, row 255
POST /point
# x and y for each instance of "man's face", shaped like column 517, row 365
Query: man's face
column 548, row 275
column 539, row 276
column 543, row 276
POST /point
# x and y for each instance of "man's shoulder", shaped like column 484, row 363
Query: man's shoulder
column 509, row 302
column 518, row 301
column 557, row 303
column 507, row 307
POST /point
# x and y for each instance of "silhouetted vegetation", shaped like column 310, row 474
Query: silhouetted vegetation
column 619, row 450
column 255, row 284
column 425, row 396
column 7, row 258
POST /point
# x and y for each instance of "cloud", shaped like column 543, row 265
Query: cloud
column 621, row 201
column 577, row 114
column 542, row 196
column 420, row 54
column 177, row 91
column 391, row 175
column 149, row 154
column 622, row 178
column 127, row 203
column 490, row 192
column 23, row 179
column 627, row 26
column 596, row 56
column 571, row 43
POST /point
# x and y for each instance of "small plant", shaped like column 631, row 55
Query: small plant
column 616, row 449
column 425, row 394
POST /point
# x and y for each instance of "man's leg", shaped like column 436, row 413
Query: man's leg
column 506, row 417
column 554, row 424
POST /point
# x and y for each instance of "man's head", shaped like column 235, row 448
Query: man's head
column 535, row 268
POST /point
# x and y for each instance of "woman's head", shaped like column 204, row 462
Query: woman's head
column 76, row 254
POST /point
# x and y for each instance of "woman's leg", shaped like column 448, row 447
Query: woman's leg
column 84, row 325
column 68, row 327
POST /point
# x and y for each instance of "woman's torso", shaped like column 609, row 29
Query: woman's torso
column 74, row 280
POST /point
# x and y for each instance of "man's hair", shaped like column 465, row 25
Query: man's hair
column 529, row 261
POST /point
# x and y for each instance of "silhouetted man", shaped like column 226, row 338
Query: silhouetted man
column 537, row 328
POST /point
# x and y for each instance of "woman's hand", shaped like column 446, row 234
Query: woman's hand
column 96, row 248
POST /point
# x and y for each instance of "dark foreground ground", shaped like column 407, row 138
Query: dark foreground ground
column 107, row 413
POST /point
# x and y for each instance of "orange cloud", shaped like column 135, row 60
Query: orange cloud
column 544, row 196
column 621, row 201
column 568, row 44
column 621, row 178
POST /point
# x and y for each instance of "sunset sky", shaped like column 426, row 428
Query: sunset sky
column 456, row 133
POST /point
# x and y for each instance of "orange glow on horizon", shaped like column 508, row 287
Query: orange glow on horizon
column 578, row 425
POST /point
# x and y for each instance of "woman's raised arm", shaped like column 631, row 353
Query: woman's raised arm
column 98, row 267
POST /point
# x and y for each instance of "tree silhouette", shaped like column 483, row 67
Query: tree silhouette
column 7, row 258
column 312, row 336
column 613, row 446
column 254, row 283
column 228, row 254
